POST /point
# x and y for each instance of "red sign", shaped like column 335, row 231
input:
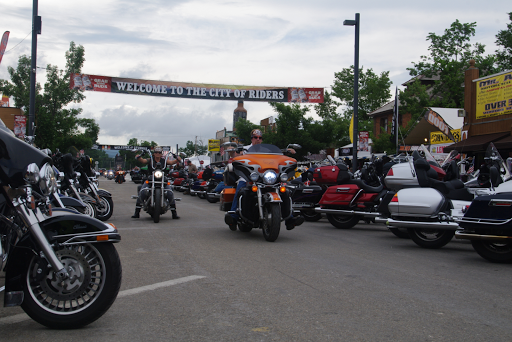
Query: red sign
column 91, row 82
column 20, row 126
column 363, row 141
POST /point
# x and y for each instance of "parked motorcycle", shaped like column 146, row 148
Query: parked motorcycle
column 431, row 212
column 62, row 268
column 306, row 194
column 350, row 199
column 265, row 201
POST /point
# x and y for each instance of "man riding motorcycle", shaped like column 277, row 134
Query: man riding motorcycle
column 231, row 220
column 157, row 157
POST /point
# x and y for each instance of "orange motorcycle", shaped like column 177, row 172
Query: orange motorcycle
column 265, row 200
column 120, row 176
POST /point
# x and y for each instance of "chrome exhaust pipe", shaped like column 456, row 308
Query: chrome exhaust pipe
column 462, row 235
column 347, row 212
column 420, row 224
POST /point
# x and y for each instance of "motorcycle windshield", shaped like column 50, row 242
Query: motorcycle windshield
column 493, row 155
column 454, row 155
column 264, row 148
column 15, row 155
column 428, row 156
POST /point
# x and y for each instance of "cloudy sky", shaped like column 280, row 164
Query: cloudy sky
column 262, row 43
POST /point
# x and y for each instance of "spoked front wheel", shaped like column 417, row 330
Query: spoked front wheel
column 93, row 283
column 271, row 221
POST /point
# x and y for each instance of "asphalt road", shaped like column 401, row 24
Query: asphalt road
column 193, row 279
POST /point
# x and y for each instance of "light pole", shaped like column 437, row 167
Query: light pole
column 356, row 88
column 36, row 29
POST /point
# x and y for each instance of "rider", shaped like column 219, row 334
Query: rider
column 231, row 220
column 157, row 157
column 192, row 169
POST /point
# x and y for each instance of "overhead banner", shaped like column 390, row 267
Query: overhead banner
column 195, row 90
column 494, row 96
column 437, row 120
column 126, row 147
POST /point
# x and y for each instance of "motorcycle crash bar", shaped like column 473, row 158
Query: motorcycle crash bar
column 459, row 234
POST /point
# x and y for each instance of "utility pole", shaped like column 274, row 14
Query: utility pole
column 36, row 29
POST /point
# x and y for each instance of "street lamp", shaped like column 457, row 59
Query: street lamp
column 356, row 88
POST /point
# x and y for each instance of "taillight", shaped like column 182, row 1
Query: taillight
column 390, row 172
column 395, row 198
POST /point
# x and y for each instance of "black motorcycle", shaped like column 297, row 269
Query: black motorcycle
column 62, row 268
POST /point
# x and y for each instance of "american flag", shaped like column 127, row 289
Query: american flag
column 472, row 166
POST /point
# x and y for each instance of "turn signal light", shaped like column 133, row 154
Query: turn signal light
column 254, row 188
column 147, row 182
column 102, row 238
column 282, row 189
column 32, row 203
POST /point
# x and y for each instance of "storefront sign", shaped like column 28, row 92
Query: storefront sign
column 494, row 96
column 441, row 138
column 214, row 145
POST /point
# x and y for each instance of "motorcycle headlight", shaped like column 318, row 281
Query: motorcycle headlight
column 47, row 181
column 284, row 177
column 254, row 176
column 31, row 174
column 158, row 174
column 269, row 177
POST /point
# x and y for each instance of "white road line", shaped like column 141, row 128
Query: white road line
column 23, row 317
column 158, row 285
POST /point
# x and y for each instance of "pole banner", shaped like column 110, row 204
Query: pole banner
column 437, row 120
column 3, row 44
column 195, row 90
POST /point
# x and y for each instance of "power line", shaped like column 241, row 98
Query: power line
column 18, row 43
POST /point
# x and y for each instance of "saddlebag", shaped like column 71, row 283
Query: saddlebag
column 339, row 195
column 227, row 196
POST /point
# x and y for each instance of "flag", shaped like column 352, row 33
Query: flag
column 351, row 129
column 3, row 44
column 394, row 120
column 471, row 167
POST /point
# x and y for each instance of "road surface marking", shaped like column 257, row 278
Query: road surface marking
column 23, row 317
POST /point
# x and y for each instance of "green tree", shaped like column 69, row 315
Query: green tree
column 104, row 161
column 192, row 149
column 243, row 130
column 292, row 126
column 504, row 40
column 58, row 126
column 448, row 58
column 373, row 93
column 334, row 127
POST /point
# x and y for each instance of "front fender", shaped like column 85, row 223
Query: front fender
column 71, row 202
column 104, row 193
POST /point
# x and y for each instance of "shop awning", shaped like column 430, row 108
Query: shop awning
column 504, row 144
column 476, row 143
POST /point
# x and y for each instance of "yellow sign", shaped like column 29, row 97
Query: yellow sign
column 494, row 96
column 213, row 145
column 441, row 138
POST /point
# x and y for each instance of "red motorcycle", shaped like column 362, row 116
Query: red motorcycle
column 347, row 199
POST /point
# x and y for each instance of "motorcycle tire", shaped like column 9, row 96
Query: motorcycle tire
column 201, row 196
column 90, row 209
column 105, row 213
column 494, row 251
column 93, row 286
column 271, row 221
column 343, row 221
column 430, row 238
column 310, row 216
column 400, row 232
column 80, row 210
column 211, row 199
column 158, row 205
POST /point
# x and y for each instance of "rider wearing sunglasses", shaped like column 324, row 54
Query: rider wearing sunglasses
column 157, row 157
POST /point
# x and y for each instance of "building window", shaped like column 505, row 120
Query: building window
column 384, row 125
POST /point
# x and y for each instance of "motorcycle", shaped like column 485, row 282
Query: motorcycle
column 266, row 200
column 213, row 182
column 110, row 174
column 120, row 177
column 487, row 222
column 88, row 184
column 431, row 212
column 61, row 267
column 306, row 195
column 350, row 199
column 156, row 202
column 69, row 185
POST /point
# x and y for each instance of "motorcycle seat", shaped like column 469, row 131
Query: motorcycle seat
column 365, row 186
